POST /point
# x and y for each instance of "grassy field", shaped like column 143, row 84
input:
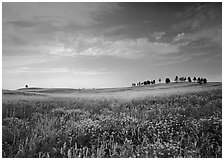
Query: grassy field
column 162, row 120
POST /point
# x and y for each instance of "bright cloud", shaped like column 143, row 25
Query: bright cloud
column 100, row 46
column 179, row 37
column 32, row 70
column 158, row 35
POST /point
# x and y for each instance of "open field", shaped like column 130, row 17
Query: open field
column 126, row 93
column 162, row 120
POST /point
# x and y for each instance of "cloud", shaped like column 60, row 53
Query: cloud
column 31, row 28
column 73, row 45
column 32, row 71
column 26, row 24
column 200, row 21
column 17, row 61
column 90, row 72
column 182, row 44
column 113, row 29
column 80, row 13
column 179, row 37
column 21, row 23
column 199, row 15
column 173, row 60
column 158, row 35
column 37, row 70
column 213, row 34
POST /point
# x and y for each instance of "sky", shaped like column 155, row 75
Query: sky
column 102, row 44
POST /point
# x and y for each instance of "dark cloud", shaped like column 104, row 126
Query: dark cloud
column 199, row 15
column 21, row 23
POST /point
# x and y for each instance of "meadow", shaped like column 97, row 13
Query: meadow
column 173, row 120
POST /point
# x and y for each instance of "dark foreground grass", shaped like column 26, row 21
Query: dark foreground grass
column 177, row 126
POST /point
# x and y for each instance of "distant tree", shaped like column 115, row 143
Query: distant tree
column 154, row 81
column 181, row 79
column 167, row 80
column 205, row 80
column 189, row 79
column 160, row 80
column 194, row 79
column 26, row 86
column 199, row 80
column 176, row 79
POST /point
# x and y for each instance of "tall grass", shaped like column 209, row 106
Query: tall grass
column 176, row 126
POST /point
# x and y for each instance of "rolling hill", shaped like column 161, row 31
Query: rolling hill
column 124, row 92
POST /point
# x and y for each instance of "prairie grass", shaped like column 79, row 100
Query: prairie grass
column 187, row 125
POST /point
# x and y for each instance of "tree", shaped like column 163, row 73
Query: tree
column 189, row 79
column 199, row 80
column 167, row 80
column 181, row 79
column 194, row 79
column 176, row 79
column 205, row 80
column 26, row 86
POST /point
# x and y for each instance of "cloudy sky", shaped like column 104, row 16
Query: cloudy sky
column 109, row 44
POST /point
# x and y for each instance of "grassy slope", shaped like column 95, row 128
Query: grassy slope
column 122, row 93
column 175, row 126
column 103, row 90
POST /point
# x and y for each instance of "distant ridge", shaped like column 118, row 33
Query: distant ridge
column 121, row 89
column 30, row 88
column 20, row 92
column 48, row 90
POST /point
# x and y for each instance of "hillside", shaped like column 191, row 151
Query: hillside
column 136, row 88
column 163, row 120
column 48, row 90
column 125, row 92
